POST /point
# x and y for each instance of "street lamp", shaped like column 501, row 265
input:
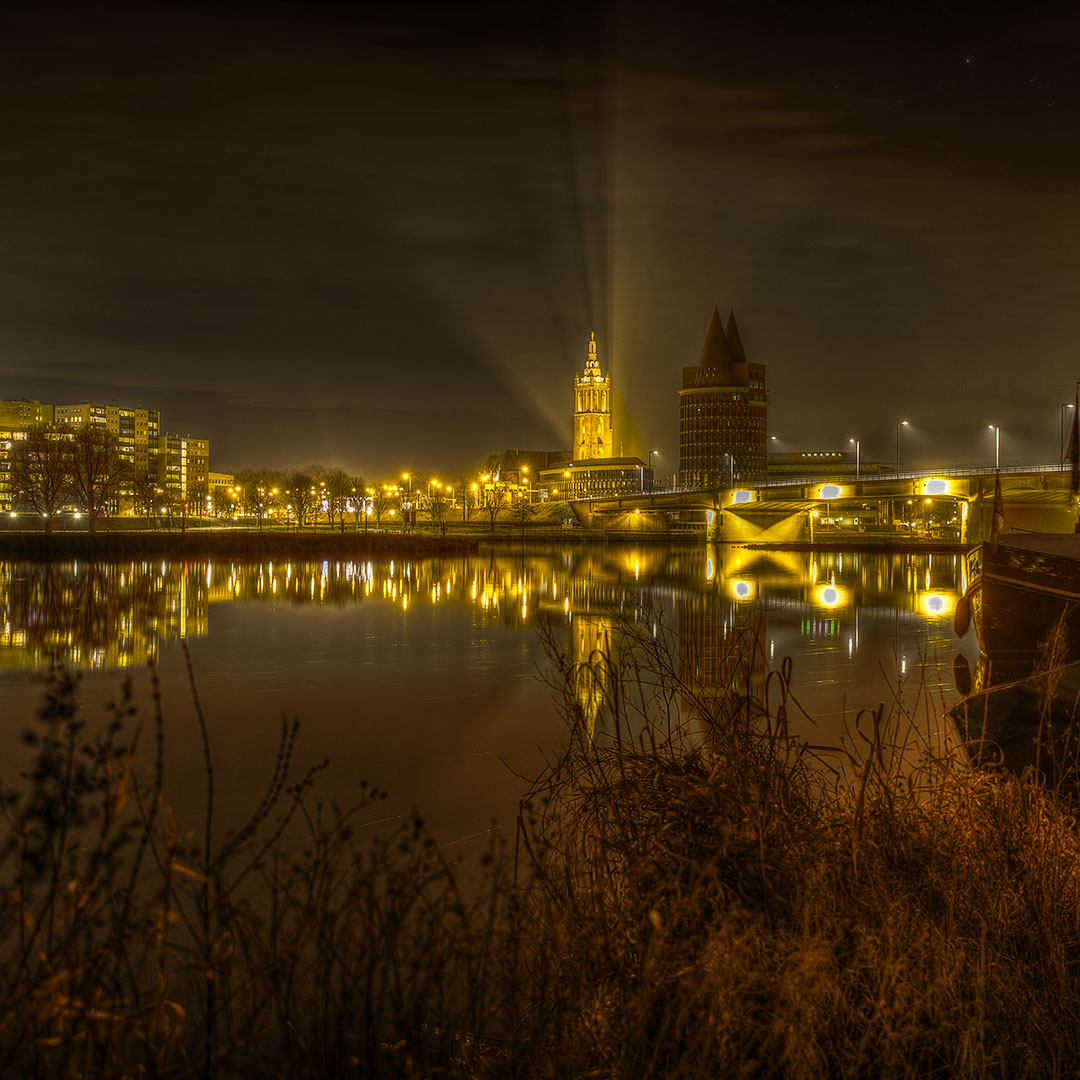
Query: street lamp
column 997, row 444
column 899, row 425
column 1061, row 440
column 856, row 442
column 651, row 484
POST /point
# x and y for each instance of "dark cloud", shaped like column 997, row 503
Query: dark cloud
column 403, row 227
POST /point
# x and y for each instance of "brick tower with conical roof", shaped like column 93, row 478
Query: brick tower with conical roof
column 723, row 412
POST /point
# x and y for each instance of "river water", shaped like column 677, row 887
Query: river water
column 426, row 677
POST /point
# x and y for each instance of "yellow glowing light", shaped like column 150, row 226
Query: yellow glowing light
column 830, row 596
column 936, row 605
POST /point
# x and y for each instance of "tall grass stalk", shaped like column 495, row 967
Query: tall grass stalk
column 691, row 891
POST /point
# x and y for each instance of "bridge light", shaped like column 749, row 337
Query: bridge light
column 831, row 596
column 742, row 590
column 936, row 605
column 935, row 486
column 829, row 491
column 742, row 497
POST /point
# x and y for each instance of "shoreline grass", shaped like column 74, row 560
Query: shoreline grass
column 688, row 893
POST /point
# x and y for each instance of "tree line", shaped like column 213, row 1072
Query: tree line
column 53, row 468
column 300, row 496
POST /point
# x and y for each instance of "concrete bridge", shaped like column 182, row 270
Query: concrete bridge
column 943, row 504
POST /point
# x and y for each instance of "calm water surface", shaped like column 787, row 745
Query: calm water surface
column 423, row 676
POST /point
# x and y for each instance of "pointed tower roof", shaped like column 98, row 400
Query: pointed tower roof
column 592, row 365
column 714, row 367
column 738, row 353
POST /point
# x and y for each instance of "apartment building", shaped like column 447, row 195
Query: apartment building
column 137, row 431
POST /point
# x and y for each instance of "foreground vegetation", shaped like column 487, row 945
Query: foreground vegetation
column 689, row 892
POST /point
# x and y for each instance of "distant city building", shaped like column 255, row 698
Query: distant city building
column 184, row 469
column 592, row 470
column 20, row 415
column 821, row 463
column 137, row 431
column 723, row 408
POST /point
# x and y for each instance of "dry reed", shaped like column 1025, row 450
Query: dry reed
column 691, row 893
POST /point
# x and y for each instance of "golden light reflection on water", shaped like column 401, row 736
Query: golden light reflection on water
column 119, row 615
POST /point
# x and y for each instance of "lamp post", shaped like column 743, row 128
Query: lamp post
column 651, row 484
column 856, row 442
column 899, row 424
column 997, row 444
column 1061, row 440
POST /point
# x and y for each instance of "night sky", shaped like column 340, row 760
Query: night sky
column 314, row 233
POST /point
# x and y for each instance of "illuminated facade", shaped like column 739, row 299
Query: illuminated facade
column 137, row 431
column 183, row 465
column 593, row 471
column 592, row 410
column 723, row 406
column 20, row 415
column 16, row 418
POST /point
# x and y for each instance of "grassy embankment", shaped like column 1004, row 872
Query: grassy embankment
column 688, row 896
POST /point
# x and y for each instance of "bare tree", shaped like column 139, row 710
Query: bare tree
column 221, row 500
column 198, row 496
column 300, row 491
column 438, row 502
column 41, row 471
column 381, row 501
column 339, row 489
column 358, row 501
column 144, row 493
column 97, row 471
column 522, row 511
column 494, row 501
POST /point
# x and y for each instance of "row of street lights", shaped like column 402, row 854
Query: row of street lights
column 995, row 428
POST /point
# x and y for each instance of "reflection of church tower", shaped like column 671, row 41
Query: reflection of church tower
column 591, row 650
column 592, row 410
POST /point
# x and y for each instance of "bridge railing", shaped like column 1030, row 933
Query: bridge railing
column 803, row 481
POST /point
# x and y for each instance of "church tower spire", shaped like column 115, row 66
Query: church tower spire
column 592, row 410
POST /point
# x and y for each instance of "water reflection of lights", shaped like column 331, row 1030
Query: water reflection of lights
column 742, row 590
column 936, row 605
column 830, row 596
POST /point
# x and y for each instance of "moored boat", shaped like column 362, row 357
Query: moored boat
column 1023, row 597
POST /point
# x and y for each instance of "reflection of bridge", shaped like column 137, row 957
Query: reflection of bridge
column 951, row 504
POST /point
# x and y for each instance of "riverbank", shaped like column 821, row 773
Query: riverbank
column 678, row 902
column 226, row 544
column 869, row 547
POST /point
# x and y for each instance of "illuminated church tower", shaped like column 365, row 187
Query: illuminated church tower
column 592, row 410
